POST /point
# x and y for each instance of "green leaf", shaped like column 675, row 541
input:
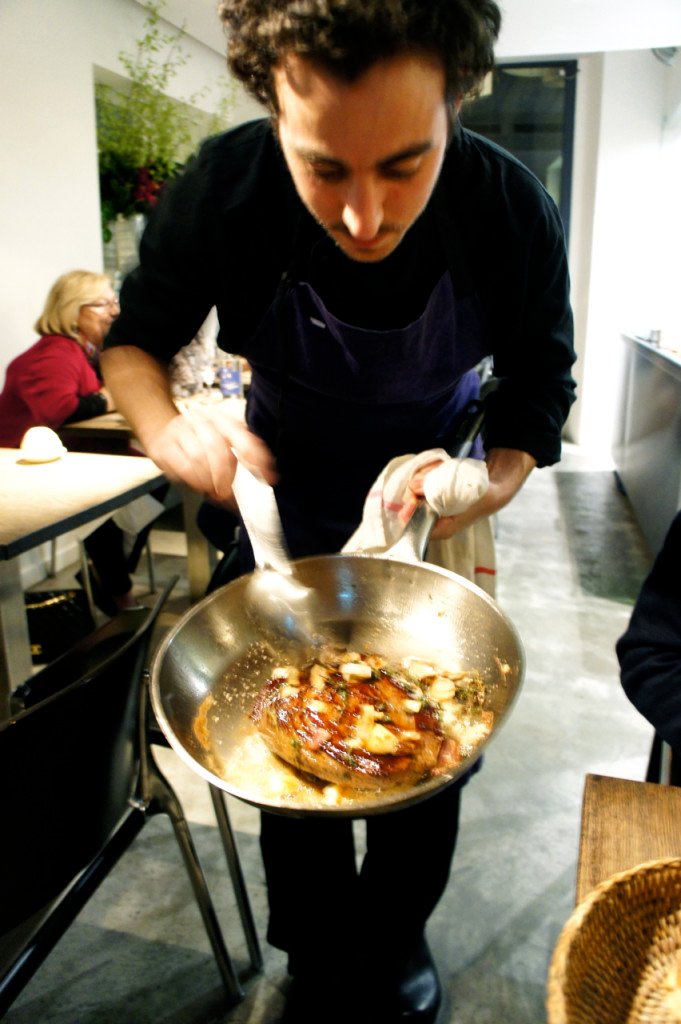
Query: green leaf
column 144, row 136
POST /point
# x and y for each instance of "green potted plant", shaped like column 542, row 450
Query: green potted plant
column 145, row 136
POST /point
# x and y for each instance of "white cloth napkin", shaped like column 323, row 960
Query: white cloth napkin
column 449, row 489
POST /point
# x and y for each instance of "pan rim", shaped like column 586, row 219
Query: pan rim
column 385, row 802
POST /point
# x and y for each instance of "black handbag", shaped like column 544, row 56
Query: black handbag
column 57, row 619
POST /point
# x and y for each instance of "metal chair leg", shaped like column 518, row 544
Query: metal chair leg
column 150, row 567
column 234, row 865
column 52, row 571
column 87, row 583
column 162, row 792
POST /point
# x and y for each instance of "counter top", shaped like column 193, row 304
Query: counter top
column 666, row 354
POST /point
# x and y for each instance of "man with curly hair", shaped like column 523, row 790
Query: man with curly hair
column 365, row 252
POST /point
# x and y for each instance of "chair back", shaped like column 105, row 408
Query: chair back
column 70, row 763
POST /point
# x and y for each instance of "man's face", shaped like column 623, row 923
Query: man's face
column 364, row 156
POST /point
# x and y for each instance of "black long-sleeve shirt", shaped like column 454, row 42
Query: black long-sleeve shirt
column 228, row 228
column 649, row 651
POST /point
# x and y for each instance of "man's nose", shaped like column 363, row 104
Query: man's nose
column 363, row 209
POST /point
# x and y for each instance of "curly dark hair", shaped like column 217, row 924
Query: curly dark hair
column 348, row 36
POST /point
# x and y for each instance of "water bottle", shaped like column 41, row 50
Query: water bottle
column 229, row 377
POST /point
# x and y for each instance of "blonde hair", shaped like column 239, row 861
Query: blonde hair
column 66, row 296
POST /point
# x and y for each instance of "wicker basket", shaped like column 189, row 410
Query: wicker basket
column 618, row 957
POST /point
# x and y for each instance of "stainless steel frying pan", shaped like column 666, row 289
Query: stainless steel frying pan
column 207, row 672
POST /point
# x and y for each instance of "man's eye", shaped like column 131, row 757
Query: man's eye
column 398, row 172
column 324, row 172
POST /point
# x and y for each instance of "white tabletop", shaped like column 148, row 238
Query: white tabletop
column 39, row 501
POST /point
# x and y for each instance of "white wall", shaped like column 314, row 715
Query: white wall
column 618, row 260
column 534, row 29
column 670, row 190
column 49, row 199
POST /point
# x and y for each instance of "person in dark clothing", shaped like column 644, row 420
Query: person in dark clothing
column 364, row 253
column 649, row 652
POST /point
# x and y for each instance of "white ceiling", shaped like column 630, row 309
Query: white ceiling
column 564, row 27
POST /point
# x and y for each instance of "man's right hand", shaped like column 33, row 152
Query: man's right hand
column 197, row 448
column 192, row 447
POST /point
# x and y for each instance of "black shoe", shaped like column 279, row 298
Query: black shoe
column 407, row 991
column 316, row 998
column 415, row 993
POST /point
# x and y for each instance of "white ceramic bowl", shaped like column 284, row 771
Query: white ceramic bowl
column 40, row 444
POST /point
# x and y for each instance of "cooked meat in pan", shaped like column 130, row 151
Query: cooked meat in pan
column 350, row 718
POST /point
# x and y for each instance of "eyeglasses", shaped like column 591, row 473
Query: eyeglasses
column 105, row 304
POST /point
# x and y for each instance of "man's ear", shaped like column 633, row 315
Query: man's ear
column 453, row 108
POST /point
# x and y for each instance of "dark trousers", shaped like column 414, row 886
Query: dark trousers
column 312, row 877
column 105, row 550
column 105, row 547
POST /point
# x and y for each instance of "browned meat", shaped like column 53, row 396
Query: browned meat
column 353, row 723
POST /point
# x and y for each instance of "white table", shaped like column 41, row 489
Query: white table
column 39, row 501
column 111, row 433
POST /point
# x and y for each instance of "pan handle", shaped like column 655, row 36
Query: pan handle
column 412, row 545
column 471, row 420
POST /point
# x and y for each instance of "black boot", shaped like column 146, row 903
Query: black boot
column 404, row 987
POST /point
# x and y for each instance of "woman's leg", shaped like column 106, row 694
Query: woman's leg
column 104, row 547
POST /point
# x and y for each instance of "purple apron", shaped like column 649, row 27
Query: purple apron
column 336, row 402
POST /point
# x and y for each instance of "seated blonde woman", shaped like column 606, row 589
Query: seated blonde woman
column 56, row 380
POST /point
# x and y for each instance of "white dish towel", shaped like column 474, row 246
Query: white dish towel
column 449, row 489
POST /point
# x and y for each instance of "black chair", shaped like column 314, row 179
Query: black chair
column 80, row 782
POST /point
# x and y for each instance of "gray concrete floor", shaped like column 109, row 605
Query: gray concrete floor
column 570, row 561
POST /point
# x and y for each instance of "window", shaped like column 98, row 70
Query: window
column 529, row 110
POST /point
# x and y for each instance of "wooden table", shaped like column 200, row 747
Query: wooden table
column 112, row 433
column 108, row 434
column 625, row 823
column 40, row 501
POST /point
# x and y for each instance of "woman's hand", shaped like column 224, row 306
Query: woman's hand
column 105, row 393
column 508, row 469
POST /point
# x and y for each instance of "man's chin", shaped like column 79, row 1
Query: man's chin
column 367, row 252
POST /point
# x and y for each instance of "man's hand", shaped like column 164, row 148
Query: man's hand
column 193, row 447
column 508, row 470
column 197, row 448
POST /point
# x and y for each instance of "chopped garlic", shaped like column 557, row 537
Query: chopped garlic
column 287, row 690
column 441, row 688
column 459, row 725
column 418, row 669
column 364, row 727
column 412, row 706
column 288, row 672
column 318, row 677
column 355, row 670
column 318, row 706
column 382, row 740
